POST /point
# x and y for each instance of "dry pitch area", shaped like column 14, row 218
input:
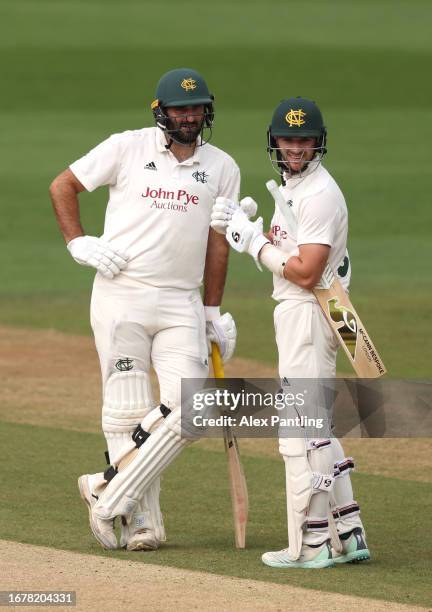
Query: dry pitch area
column 52, row 379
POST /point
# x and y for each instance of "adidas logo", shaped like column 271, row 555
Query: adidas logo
column 150, row 166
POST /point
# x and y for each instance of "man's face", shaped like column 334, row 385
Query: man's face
column 296, row 152
column 186, row 122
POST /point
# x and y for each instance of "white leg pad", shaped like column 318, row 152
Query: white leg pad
column 127, row 399
column 303, row 482
column 345, row 509
column 125, row 490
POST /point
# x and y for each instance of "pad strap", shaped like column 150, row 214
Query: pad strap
column 316, row 524
column 344, row 511
column 343, row 467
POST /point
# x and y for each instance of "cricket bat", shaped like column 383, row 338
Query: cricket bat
column 337, row 308
column 238, row 486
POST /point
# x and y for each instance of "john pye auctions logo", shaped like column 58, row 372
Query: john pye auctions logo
column 278, row 235
column 178, row 199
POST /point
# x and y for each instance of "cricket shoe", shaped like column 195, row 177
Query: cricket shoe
column 311, row 557
column 135, row 536
column 103, row 530
column 354, row 547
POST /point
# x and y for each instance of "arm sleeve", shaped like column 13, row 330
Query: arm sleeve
column 230, row 185
column 99, row 166
column 318, row 220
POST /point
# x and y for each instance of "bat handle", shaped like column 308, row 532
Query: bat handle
column 217, row 361
column 283, row 206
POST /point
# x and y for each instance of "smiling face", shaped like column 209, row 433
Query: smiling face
column 185, row 122
column 296, row 152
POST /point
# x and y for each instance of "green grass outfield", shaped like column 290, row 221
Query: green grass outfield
column 73, row 72
column 44, row 508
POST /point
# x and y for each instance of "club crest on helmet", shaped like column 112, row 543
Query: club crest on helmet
column 189, row 84
column 295, row 117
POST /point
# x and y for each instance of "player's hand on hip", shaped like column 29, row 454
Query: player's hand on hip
column 223, row 210
column 94, row 252
column 246, row 236
column 221, row 330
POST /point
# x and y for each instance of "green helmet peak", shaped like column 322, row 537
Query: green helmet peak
column 297, row 117
column 182, row 87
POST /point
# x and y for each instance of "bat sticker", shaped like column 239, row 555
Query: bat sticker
column 348, row 330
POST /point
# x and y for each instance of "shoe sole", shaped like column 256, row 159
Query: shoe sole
column 141, row 546
column 306, row 565
column 85, row 496
column 357, row 556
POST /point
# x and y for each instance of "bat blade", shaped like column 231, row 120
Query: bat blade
column 350, row 331
column 238, row 488
column 237, row 480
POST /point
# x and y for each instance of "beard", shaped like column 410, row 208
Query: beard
column 186, row 133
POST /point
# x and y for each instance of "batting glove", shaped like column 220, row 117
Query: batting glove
column 94, row 252
column 223, row 210
column 221, row 330
column 245, row 236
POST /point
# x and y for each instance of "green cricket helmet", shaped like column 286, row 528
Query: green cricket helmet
column 296, row 118
column 182, row 87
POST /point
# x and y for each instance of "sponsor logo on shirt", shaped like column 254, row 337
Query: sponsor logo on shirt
column 150, row 166
column 178, row 200
column 278, row 235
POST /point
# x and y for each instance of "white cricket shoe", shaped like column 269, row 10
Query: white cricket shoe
column 135, row 536
column 103, row 530
column 310, row 558
column 354, row 547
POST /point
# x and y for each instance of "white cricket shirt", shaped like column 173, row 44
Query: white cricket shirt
column 322, row 218
column 159, row 208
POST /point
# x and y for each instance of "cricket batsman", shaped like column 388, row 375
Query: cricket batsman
column 324, row 525
column 146, row 307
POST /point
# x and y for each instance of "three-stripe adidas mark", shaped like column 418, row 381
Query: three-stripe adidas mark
column 150, row 166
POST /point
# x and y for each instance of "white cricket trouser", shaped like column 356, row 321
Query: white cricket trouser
column 307, row 348
column 149, row 325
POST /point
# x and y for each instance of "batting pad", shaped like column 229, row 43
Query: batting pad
column 127, row 399
column 123, row 492
column 305, row 479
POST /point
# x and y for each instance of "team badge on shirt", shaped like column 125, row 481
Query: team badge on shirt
column 200, row 177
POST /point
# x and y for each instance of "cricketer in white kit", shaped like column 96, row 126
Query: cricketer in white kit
column 324, row 526
column 146, row 307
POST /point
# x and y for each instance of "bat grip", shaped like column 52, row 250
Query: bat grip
column 218, row 369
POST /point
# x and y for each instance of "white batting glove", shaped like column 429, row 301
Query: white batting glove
column 249, row 207
column 245, row 236
column 223, row 210
column 222, row 330
column 94, row 252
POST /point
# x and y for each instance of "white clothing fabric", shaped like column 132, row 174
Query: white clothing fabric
column 322, row 218
column 159, row 208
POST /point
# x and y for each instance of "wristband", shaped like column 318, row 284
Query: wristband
column 212, row 313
